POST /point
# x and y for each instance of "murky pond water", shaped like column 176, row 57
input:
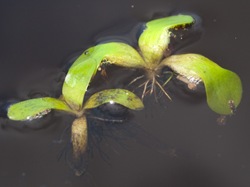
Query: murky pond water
column 36, row 41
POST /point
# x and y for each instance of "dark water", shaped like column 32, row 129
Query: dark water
column 35, row 39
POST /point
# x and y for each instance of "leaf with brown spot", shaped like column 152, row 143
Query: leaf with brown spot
column 119, row 96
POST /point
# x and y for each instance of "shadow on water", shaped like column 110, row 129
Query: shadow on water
column 182, row 144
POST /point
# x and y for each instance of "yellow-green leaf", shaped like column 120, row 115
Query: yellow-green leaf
column 155, row 39
column 77, row 81
column 86, row 65
column 35, row 108
column 119, row 96
column 223, row 87
column 116, row 53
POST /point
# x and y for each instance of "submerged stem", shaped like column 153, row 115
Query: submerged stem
column 79, row 140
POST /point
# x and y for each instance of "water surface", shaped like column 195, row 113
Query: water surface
column 37, row 37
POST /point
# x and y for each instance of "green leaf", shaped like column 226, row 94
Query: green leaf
column 35, row 108
column 223, row 87
column 116, row 53
column 155, row 39
column 83, row 57
column 120, row 96
column 77, row 81
column 85, row 67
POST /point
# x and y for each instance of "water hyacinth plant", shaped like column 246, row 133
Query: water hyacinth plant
column 223, row 87
column 153, row 44
column 153, row 54
column 74, row 89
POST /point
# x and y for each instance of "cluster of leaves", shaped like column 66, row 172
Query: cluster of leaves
column 223, row 87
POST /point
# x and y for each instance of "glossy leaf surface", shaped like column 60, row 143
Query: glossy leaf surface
column 155, row 39
column 116, row 53
column 119, row 96
column 35, row 108
column 223, row 87
column 77, row 81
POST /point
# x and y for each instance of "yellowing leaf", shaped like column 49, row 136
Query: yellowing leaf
column 223, row 87
column 119, row 96
column 35, row 108
column 155, row 39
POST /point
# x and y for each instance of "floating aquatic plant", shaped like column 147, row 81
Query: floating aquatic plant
column 74, row 89
column 153, row 55
column 153, row 44
column 223, row 87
